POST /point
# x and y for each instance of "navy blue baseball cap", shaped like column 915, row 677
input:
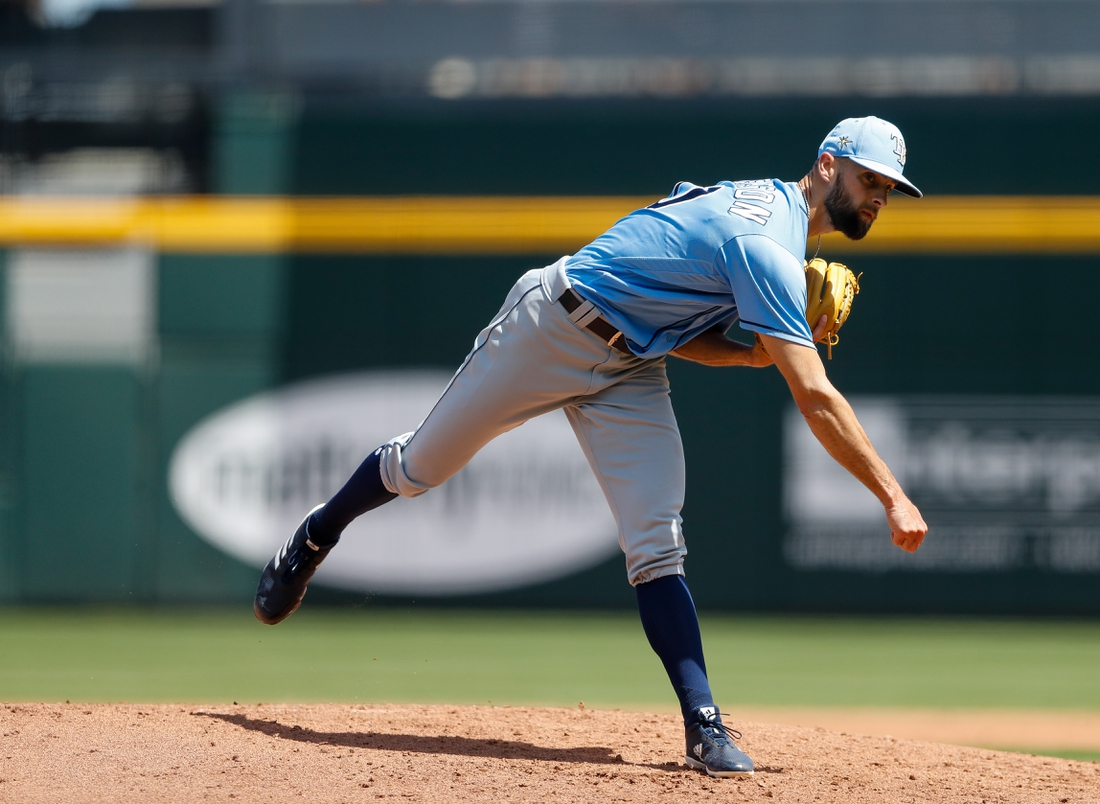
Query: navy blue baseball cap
column 873, row 143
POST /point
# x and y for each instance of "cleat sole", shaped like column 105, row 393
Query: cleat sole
column 697, row 765
column 267, row 619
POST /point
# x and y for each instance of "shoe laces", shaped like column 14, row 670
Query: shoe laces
column 292, row 556
column 717, row 729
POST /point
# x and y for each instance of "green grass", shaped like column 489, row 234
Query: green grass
column 909, row 662
column 550, row 659
column 1081, row 756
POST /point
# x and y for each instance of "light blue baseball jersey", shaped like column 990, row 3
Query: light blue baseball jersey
column 703, row 257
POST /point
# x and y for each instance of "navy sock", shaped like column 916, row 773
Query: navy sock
column 363, row 492
column 672, row 626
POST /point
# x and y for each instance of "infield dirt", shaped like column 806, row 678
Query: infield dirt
column 337, row 753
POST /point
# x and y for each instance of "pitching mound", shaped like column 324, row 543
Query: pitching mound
column 151, row 754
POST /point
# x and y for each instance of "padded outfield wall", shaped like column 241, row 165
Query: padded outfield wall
column 979, row 390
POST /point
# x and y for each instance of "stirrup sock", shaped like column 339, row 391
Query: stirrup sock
column 672, row 626
column 363, row 492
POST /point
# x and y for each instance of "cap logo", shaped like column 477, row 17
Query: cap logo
column 899, row 148
column 875, row 144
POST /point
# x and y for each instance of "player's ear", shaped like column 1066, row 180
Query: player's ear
column 827, row 167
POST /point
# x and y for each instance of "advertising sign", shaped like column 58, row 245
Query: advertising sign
column 1005, row 483
column 526, row 509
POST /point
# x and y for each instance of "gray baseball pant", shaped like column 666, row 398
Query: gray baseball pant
column 534, row 358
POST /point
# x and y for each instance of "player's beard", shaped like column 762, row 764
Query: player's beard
column 843, row 212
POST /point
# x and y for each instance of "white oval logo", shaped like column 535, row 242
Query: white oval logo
column 526, row 508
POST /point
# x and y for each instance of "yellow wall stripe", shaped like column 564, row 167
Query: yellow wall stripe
column 983, row 224
column 506, row 225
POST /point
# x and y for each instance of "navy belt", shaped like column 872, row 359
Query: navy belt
column 599, row 325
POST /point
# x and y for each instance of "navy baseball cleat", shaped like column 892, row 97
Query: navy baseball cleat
column 283, row 583
column 710, row 749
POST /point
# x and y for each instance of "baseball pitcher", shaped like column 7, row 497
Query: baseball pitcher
column 590, row 334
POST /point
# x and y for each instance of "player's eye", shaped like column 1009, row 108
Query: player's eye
column 872, row 180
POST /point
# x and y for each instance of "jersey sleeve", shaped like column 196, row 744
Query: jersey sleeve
column 769, row 287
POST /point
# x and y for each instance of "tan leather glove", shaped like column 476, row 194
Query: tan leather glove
column 830, row 290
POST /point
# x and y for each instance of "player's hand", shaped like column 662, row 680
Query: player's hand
column 907, row 526
column 819, row 330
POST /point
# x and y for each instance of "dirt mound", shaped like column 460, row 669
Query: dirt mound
column 152, row 754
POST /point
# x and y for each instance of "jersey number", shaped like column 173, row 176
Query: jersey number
column 694, row 192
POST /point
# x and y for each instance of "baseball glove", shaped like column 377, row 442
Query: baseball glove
column 830, row 290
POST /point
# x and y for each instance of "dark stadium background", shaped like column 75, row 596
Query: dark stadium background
column 244, row 99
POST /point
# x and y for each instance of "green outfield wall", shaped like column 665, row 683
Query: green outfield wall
column 976, row 369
